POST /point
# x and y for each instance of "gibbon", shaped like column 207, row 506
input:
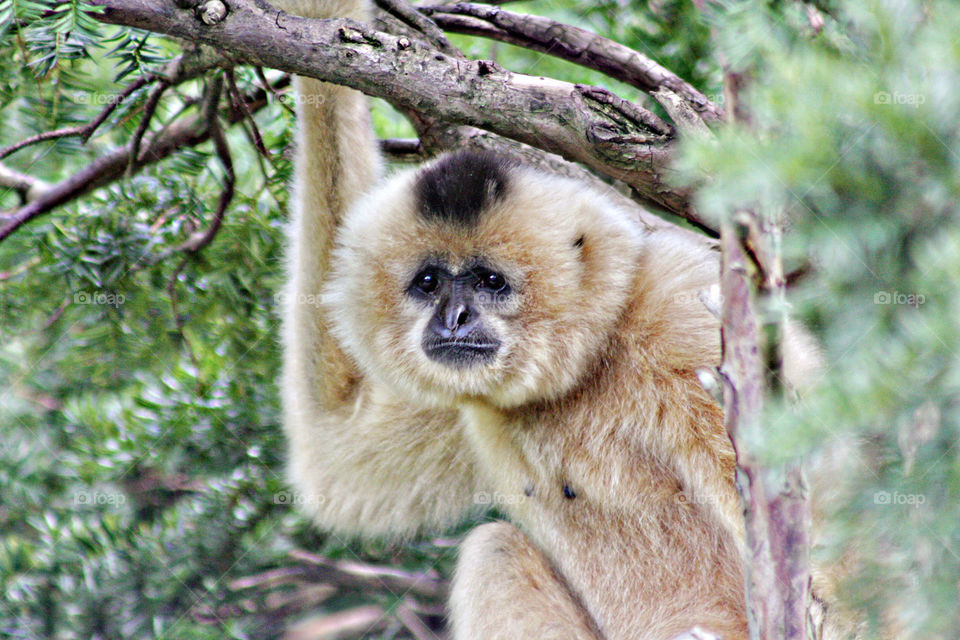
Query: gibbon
column 491, row 333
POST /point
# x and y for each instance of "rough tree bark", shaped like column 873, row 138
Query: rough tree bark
column 581, row 123
column 570, row 43
column 776, row 506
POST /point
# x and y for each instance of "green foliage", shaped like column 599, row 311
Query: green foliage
column 50, row 31
column 855, row 135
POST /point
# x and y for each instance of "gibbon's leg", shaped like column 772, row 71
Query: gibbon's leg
column 361, row 460
column 506, row 589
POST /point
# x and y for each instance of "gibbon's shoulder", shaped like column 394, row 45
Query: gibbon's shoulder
column 676, row 299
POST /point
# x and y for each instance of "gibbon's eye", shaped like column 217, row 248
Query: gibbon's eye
column 491, row 281
column 426, row 282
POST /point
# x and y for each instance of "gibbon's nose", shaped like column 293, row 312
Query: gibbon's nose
column 456, row 315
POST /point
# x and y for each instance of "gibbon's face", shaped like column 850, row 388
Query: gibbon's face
column 458, row 333
column 476, row 277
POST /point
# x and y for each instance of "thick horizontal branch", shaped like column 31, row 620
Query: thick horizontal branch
column 570, row 43
column 580, row 123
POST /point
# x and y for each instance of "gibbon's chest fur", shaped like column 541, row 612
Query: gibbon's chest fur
column 594, row 479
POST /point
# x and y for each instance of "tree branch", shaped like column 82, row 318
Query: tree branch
column 777, row 507
column 402, row 149
column 149, row 108
column 407, row 614
column 360, row 620
column 412, row 17
column 104, row 170
column 778, row 512
column 570, row 43
column 28, row 187
column 580, row 123
column 360, row 575
column 199, row 240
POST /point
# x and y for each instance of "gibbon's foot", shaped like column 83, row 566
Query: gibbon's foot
column 506, row 589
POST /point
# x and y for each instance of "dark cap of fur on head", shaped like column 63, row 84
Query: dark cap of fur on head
column 461, row 185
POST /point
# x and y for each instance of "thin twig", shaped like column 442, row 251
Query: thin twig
column 87, row 130
column 240, row 104
column 112, row 166
column 361, row 575
column 411, row 16
column 122, row 96
column 272, row 89
column 447, row 3
column 40, row 137
column 361, row 620
column 153, row 99
column 178, row 320
column 201, row 239
column 183, row 68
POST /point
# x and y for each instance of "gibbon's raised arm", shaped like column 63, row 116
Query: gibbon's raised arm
column 361, row 461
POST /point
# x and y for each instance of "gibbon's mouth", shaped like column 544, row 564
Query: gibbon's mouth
column 460, row 353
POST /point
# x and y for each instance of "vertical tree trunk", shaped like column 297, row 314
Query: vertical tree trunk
column 777, row 511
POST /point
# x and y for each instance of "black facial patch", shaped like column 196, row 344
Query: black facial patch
column 461, row 185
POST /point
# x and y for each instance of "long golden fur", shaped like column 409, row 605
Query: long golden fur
column 590, row 429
